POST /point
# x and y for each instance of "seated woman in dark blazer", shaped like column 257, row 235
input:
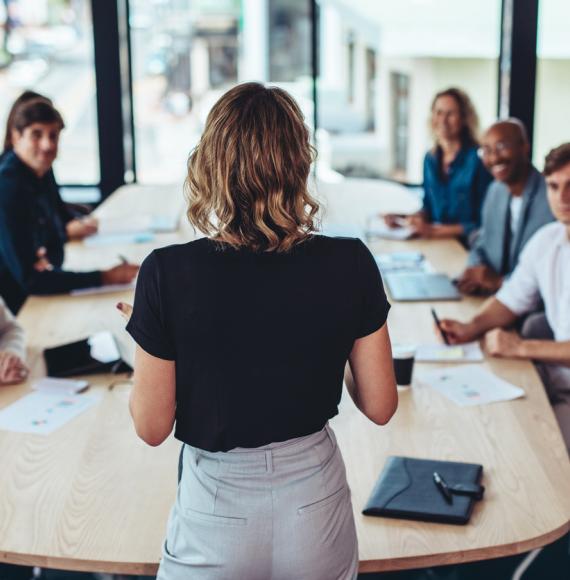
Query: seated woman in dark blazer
column 242, row 340
column 455, row 179
column 32, row 231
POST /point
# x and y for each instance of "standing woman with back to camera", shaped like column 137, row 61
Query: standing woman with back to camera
column 242, row 341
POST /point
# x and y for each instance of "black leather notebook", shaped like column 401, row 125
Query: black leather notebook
column 406, row 489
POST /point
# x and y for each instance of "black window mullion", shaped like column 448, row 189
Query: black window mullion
column 517, row 62
column 106, row 40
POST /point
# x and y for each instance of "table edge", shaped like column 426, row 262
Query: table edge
column 464, row 556
column 391, row 564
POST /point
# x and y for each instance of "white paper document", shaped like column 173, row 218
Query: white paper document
column 460, row 353
column 118, row 239
column 402, row 262
column 109, row 288
column 43, row 413
column 59, row 386
column 377, row 228
column 470, row 385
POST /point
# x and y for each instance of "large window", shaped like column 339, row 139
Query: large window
column 47, row 46
column 187, row 53
column 552, row 121
column 380, row 64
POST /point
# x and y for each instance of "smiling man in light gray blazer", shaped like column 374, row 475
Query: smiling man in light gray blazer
column 515, row 207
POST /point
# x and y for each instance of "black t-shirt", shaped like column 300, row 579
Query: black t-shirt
column 260, row 340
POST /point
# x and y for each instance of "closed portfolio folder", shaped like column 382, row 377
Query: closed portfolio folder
column 406, row 489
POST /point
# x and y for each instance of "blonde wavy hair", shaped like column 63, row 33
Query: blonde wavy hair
column 247, row 177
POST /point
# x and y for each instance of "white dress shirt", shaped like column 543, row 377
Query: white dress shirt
column 516, row 208
column 543, row 272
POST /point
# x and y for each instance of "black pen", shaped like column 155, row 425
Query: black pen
column 438, row 324
column 443, row 487
column 123, row 259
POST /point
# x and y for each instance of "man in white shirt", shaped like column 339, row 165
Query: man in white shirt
column 515, row 207
column 543, row 272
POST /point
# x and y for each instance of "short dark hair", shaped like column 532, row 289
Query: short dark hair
column 25, row 97
column 556, row 159
column 39, row 110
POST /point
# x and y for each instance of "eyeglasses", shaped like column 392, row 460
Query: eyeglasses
column 500, row 147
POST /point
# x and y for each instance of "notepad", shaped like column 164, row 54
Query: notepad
column 470, row 385
column 405, row 489
column 469, row 352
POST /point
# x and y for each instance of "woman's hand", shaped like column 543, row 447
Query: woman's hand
column 80, row 228
column 420, row 226
column 125, row 309
column 12, row 368
column 42, row 264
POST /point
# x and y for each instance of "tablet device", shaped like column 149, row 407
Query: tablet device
column 96, row 354
column 420, row 286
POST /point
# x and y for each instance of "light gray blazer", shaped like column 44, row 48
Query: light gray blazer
column 11, row 333
column 489, row 247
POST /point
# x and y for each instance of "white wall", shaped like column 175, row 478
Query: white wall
column 552, row 110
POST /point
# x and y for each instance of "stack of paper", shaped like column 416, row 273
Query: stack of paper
column 470, row 385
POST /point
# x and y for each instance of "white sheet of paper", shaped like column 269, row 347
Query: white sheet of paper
column 376, row 227
column 119, row 239
column 469, row 352
column 59, row 386
column 43, row 413
column 103, row 289
column 470, row 385
column 112, row 226
column 403, row 262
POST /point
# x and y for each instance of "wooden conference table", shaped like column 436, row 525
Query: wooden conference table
column 93, row 497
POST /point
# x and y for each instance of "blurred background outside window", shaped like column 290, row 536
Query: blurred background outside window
column 47, row 46
column 380, row 64
column 552, row 115
column 187, row 53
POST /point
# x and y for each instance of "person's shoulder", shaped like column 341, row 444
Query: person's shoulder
column 177, row 251
column 545, row 237
column 335, row 243
column 10, row 166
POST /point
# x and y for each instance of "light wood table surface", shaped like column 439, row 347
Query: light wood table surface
column 93, row 497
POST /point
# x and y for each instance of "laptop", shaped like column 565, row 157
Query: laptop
column 419, row 286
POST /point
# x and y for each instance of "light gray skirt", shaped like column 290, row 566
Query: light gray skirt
column 277, row 512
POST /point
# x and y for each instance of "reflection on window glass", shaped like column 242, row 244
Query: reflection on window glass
column 186, row 53
column 380, row 63
column 47, row 46
column 551, row 121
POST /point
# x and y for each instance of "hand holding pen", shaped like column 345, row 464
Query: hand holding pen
column 124, row 273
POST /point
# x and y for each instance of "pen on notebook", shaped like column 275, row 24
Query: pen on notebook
column 442, row 487
column 438, row 324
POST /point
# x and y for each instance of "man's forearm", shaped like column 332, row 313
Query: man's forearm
column 493, row 314
column 548, row 351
